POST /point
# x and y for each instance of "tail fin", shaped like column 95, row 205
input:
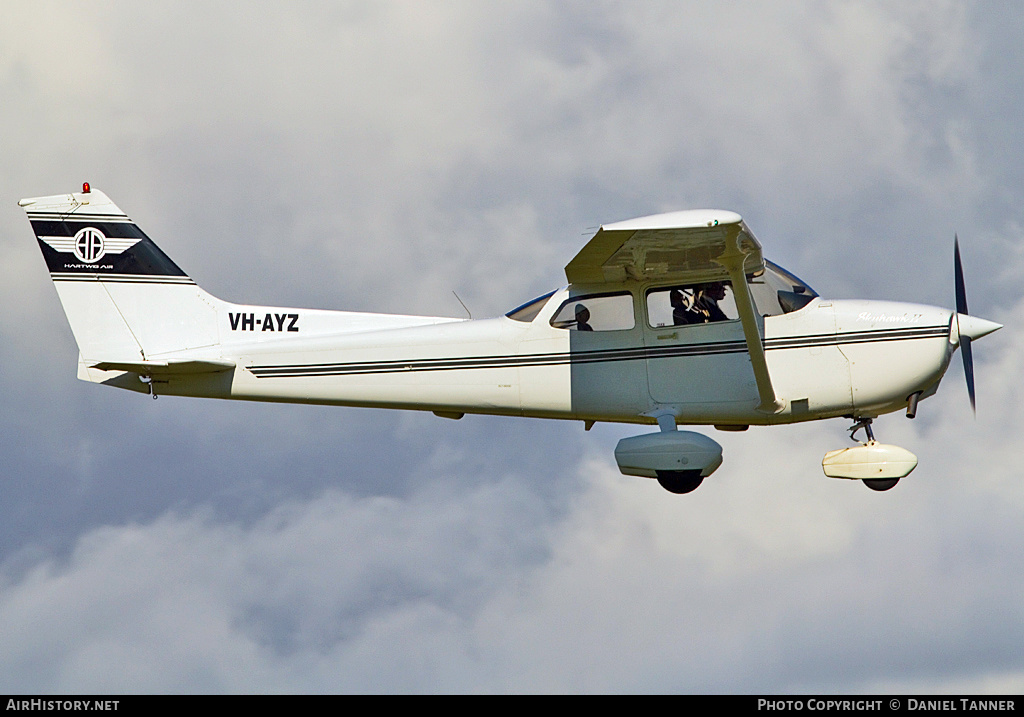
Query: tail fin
column 125, row 299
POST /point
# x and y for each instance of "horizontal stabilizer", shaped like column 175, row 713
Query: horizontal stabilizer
column 166, row 368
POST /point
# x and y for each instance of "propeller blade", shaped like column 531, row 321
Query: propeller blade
column 965, row 351
column 958, row 274
column 961, row 308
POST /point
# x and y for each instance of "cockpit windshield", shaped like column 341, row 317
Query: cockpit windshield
column 777, row 291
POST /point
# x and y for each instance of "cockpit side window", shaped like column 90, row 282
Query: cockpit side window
column 691, row 304
column 599, row 312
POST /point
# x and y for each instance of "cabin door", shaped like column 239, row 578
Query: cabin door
column 695, row 357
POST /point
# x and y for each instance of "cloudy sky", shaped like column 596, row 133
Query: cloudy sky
column 375, row 155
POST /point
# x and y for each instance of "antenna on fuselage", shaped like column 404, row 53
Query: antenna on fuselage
column 463, row 305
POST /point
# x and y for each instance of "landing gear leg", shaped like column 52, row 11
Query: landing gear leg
column 864, row 423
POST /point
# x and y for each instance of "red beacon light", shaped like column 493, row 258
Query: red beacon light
column 86, row 188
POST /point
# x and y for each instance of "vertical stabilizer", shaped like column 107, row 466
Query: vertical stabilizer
column 124, row 298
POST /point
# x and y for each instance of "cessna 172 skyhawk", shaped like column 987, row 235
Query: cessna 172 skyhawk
column 669, row 319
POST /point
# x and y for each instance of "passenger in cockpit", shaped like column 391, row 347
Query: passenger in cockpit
column 582, row 318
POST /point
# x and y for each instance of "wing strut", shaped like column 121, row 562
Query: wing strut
column 732, row 259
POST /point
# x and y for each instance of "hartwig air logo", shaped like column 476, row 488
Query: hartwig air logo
column 90, row 245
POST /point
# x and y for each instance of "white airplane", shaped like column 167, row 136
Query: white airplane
column 668, row 319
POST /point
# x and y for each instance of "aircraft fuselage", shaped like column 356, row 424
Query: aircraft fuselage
column 830, row 358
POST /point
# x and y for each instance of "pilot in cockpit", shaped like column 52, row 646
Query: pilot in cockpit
column 702, row 308
column 705, row 303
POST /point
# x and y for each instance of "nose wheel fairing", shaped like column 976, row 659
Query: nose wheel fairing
column 869, row 461
column 879, row 465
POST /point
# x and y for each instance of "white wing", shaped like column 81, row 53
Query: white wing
column 679, row 246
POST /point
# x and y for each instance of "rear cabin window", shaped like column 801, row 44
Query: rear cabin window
column 528, row 311
column 607, row 312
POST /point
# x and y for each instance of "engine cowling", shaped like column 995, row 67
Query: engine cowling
column 668, row 452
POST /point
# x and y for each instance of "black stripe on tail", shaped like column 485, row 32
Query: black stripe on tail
column 100, row 246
